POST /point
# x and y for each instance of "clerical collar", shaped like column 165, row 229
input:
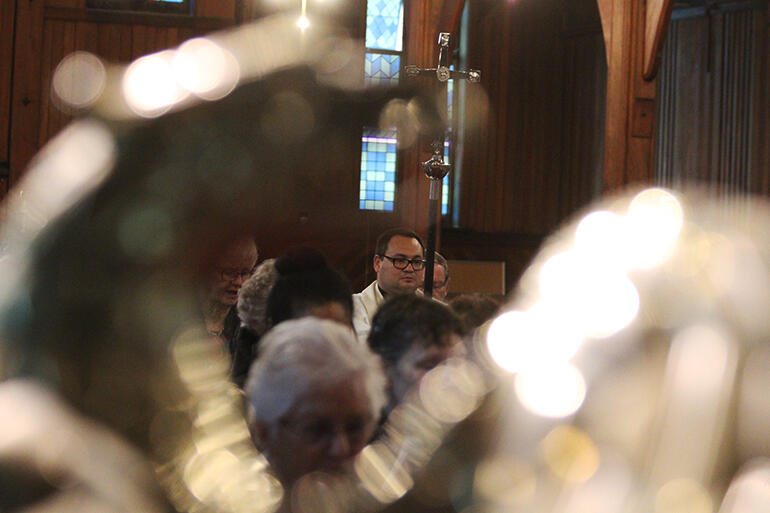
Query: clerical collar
column 384, row 294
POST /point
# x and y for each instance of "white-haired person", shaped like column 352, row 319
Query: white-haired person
column 314, row 398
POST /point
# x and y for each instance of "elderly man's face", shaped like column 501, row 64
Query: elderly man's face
column 399, row 281
column 326, row 428
column 230, row 271
column 418, row 360
column 440, row 283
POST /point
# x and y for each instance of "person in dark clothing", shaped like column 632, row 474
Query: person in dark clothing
column 302, row 285
column 413, row 334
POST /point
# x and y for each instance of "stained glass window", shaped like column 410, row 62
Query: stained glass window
column 385, row 24
column 378, row 170
column 381, row 69
column 447, row 141
column 384, row 37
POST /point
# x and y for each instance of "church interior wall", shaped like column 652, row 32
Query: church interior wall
column 536, row 159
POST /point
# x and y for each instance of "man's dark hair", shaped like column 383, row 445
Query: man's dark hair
column 305, row 281
column 407, row 319
column 474, row 309
column 384, row 239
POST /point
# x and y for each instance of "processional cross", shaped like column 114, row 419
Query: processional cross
column 435, row 168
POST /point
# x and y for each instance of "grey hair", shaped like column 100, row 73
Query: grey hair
column 301, row 354
column 440, row 260
column 252, row 297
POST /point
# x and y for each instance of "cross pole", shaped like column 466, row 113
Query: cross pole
column 435, row 168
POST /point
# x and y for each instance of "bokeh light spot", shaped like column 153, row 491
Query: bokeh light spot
column 451, row 391
column 570, row 454
column 205, row 69
column 556, row 390
column 505, row 480
column 655, row 219
column 150, row 85
column 79, row 80
column 683, row 496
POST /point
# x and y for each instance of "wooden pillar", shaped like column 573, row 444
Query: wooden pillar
column 633, row 34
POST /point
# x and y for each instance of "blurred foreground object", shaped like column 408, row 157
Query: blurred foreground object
column 52, row 459
column 119, row 217
column 638, row 353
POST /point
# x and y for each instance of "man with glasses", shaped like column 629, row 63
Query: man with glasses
column 219, row 294
column 399, row 263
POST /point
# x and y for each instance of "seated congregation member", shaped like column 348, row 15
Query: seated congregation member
column 440, row 277
column 252, row 312
column 413, row 334
column 314, row 398
column 308, row 286
column 302, row 285
column 399, row 264
column 219, row 290
column 474, row 309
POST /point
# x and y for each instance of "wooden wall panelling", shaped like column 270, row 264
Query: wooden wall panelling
column 25, row 109
column 138, row 40
column 538, row 156
column 583, row 106
column 711, row 109
column 71, row 4
column 7, row 15
column 761, row 135
column 514, row 168
column 215, row 8
column 109, row 42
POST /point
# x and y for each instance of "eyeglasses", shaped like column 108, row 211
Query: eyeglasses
column 233, row 274
column 322, row 432
column 401, row 263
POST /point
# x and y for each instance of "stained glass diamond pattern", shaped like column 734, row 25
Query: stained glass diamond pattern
column 384, row 24
column 381, row 69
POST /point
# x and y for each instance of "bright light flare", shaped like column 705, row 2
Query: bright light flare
column 150, row 85
column 601, row 235
column 79, row 80
column 205, row 69
column 655, row 218
column 303, row 22
column 554, row 391
column 518, row 341
column 596, row 299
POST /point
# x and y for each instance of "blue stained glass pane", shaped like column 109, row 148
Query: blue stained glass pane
column 378, row 186
column 384, row 24
column 381, row 69
column 449, row 95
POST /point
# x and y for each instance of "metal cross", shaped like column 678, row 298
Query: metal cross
column 435, row 168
